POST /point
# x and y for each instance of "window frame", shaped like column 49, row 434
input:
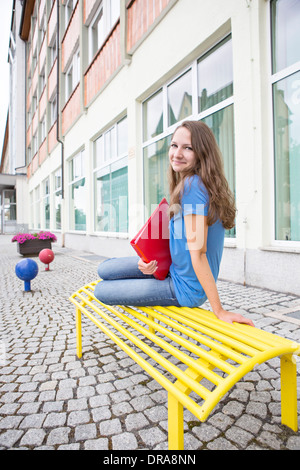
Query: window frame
column 46, row 200
column 73, row 73
column 196, row 115
column 275, row 77
column 73, row 180
column 108, row 164
column 57, row 192
column 108, row 24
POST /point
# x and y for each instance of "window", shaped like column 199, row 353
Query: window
column 42, row 80
column 53, row 51
column 285, row 16
column 46, row 203
column 57, row 199
column 43, row 128
column 102, row 23
column 215, row 76
column 31, row 206
column 34, row 102
column 77, row 187
column 97, row 32
column 153, row 116
column 37, row 208
column 111, row 180
column 73, row 75
column 10, row 206
column 69, row 7
column 178, row 100
column 53, row 110
column 34, row 144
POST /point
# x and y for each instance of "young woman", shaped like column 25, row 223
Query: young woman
column 201, row 208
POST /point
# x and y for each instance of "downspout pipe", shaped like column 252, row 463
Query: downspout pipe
column 57, row 117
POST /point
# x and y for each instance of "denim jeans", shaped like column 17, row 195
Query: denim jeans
column 124, row 284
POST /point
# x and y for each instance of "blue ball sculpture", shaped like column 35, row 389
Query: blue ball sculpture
column 26, row 270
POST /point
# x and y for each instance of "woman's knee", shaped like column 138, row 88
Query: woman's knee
column 101, row 292
column 105, row 269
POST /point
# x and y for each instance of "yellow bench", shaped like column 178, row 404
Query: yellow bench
column 206, row 347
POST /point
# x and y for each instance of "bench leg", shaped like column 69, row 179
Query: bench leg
column 78, row 333
column 289, row 392
column 175, row 423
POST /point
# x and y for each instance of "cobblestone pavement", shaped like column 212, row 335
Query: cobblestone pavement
column 51, row 400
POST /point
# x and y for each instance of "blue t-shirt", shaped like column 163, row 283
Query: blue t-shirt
column 195, row 200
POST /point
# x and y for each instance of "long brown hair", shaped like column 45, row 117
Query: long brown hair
column 209, row 167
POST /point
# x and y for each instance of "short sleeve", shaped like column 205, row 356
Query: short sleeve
column 195, row 198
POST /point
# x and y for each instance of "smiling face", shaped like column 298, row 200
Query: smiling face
column 181, row 154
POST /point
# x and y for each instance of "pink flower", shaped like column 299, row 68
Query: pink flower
column 23, row 237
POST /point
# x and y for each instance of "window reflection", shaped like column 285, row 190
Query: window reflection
column 153, row 116
column 215, row 76
column 286, row 96
column 285, row 33
column 180, row 98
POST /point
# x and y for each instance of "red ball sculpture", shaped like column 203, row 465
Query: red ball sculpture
column 46, row 256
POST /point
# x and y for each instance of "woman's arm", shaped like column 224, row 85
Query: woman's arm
column 196, row 233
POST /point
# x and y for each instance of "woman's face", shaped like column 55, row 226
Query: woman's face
column 181, row 154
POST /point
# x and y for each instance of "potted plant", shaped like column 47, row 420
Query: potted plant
column 33, row 243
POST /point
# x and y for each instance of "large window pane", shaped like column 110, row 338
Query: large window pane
column 10, row 208
column 222, row 125
column 78, row 205
column 77, row 193
column 57, row 199
column 77, row 169
column 286, row 96
column 37, row 221
column 111, row 198
column 180, row 98
column 153, row 116
column 285, row 33
column 111, row 179
column 99, row 151
column 156, row 164
column 57, row 209
column 122, row 137
column 215, row 76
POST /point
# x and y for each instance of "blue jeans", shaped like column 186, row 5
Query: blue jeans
column 124, row 284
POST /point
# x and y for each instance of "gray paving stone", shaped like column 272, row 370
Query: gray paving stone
column 125, row 440
column 111, row 427
column 85, row 431
column 58, row 436
column 32, row 421
column 10, row 437
column 239, row 436
column 136, row 421
column 96, row 444
column 33, row 438
column 55, row 419
column 152, row 436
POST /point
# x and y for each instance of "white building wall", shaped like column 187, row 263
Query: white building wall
column 188, row 30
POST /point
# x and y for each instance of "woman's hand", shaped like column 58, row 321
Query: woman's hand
column 231, row 317
column 147, row 268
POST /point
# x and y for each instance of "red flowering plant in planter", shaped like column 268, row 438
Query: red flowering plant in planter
column 33, row 243
column 23, row 237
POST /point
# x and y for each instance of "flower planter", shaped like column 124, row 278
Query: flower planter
column 33, row 247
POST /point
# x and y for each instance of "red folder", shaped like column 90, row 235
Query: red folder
column 152, row 241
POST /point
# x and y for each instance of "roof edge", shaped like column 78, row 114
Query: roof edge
column 27, row 9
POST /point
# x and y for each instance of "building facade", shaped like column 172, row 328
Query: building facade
column 108, row 81
column 13, row 181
